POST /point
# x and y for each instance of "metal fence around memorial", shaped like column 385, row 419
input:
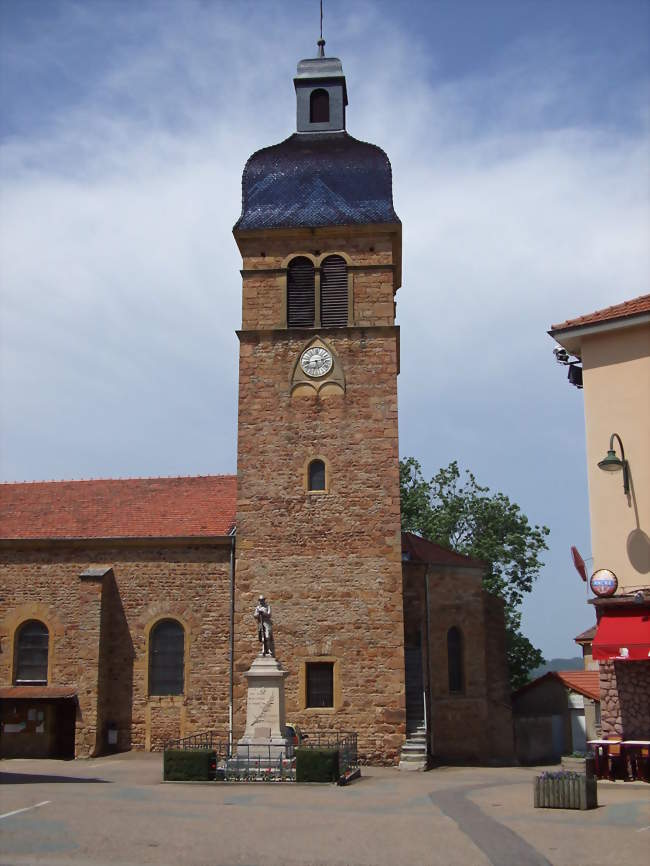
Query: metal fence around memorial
column 254, row 764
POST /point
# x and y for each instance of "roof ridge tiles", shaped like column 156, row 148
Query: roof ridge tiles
column 633, row 307
column 118, row 478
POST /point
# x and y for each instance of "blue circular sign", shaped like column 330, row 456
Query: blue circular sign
column 603, row 583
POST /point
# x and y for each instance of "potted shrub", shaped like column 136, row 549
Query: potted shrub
column 579, row 762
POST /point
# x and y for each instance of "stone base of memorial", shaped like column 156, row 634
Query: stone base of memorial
column 264, row 737
column 565, row 790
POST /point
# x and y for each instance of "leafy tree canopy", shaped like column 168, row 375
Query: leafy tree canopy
column 459, row 513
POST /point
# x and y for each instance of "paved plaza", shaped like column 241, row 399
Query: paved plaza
column 116, row 810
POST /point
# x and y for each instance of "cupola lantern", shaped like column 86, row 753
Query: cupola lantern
column 321, row 95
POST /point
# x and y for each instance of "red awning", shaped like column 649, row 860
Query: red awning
column 624, row 634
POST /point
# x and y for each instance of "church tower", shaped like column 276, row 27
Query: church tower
column 318, row 504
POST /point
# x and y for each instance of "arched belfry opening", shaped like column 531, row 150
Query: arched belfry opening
column 319, row 106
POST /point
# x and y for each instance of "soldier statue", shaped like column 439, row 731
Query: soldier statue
column 264, row 627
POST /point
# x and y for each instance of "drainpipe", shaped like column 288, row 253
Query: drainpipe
column 429, row 715
column 232, row 642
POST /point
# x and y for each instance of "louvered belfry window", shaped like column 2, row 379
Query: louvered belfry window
column 334, row 293
column 166, row 658
column 301, row 307
column 32, row 647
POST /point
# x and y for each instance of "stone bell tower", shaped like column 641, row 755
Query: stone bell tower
column 318, row 510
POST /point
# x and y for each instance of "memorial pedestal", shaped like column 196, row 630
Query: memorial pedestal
column 264, row 736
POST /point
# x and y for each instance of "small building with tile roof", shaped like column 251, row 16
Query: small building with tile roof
column 555, row 714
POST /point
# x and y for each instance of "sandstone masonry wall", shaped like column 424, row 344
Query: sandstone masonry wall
column 476, row 723
column 99, row 634
column 329, row 563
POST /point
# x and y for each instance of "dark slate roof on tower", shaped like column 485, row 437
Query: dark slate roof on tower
column 317, row 179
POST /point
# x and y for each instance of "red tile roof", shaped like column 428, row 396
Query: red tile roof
column 586, row 636
column 417, row 549
column 635, row 307
column 119, row 508
column 585, row 682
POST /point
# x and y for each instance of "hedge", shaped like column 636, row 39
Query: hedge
column 317, row 765
column 189, row 766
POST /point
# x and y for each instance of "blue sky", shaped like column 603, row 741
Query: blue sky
column 518, row 134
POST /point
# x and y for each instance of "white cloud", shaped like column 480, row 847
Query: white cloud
column 120, row 274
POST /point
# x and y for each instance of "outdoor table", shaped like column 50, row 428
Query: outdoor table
column 602, row 768
column 637, row 758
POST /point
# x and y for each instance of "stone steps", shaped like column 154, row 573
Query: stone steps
column 414, row 751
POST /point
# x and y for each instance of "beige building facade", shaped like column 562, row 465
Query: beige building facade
column 613, row 346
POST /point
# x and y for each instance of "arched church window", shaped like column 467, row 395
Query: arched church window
column 316, row 475
column 319, row 106
column 32, row 647
column 334, row 292
column 301, row 305
column 167, row 658
column 455, row 659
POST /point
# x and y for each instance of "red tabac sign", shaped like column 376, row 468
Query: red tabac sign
column 579, row 563
column 603, row 583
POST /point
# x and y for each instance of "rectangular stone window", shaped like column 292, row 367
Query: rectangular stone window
column 320, row 684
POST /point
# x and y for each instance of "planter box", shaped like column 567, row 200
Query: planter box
column 574, row 792
column 585, row 765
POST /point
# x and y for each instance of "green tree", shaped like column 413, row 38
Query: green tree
column 458, row 513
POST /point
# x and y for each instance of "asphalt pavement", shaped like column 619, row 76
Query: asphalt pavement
column 116, row 810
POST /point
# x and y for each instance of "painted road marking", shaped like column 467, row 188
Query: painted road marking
column 641, row 829
column 26, row 809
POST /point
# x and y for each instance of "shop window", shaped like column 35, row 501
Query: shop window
column 320, row 684
column 319, row 106
column 455, row 659
column 301, row 293
column 316, row 475
column 32, row 647
column 167, row 658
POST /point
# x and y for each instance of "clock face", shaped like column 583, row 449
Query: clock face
column 316, row 361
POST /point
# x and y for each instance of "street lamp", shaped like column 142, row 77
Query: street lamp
column 612, row 463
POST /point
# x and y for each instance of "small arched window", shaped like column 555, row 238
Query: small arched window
column 301, row 305
column 334, row 292
column 316, row 475
column 319, row 106
column 167, row 658
column 455, row 659
column 32, row 646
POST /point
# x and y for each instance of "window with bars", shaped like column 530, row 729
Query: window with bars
column 455, row 659
column 334, row 292
column 319, row 106
column 301, row 305
column 316, row 475
column 320, row 684
column 32, row 647
column 167, row 658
